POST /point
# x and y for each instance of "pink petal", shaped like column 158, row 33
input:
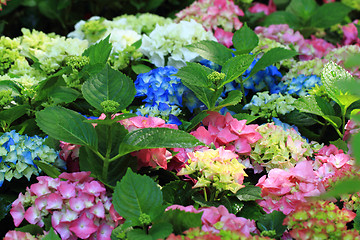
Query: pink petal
column 98, row 210
column 39, row 189
column 94, row 188
column 67, row 190
column 76, row 176
column 77, row 204
column 32, row 215
column 83, row 227
column 54, row 201
column 17, row 212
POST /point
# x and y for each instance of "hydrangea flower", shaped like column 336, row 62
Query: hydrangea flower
column 17, row 155
column 350, row 33
column 220, row 16
column 279, row 148
column 78, row 206
column 165, row 45
column 301, row 84
column 265, row 79
column 215, row 219
column 164, row 94
column 268, row 105
column 284, row 190
column 320, row 220
column 9, row 53
column 260, row 7
column 215, row 168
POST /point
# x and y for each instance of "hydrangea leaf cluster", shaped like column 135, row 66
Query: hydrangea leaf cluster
column 165, row 46
column 279, row 148
column 219, row 16
column 268, row 105
column 320, row 220
column 164, row 93
column 215, row 168
column 17, row 155
column 283, row 190
column 215, row 219
column 78, row 207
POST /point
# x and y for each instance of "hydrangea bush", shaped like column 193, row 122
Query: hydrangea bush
column 230, row 120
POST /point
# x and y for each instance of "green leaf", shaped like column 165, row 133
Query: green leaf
column 272, row 221
column 340, row 144
column 233, row 98
column 245, row 40
column 140, row 68
column 138, row 234
column 99, row 52
column 160, row 230
column 66, row 125
column 334, row 77
column 303, row 9
column 31, row 228
column 271, row 57
column 347, row 186
column 299, row 118
column 111, row 121
column 196, row 120
column 244, row 116
column 147, row 138
column 314, row 105
column 212, row 51
column 329, row 14
column 109, row 84
column 136, row 194
column 249, row 193
column 352, row 60
column 282, row 17
column 49, row 170
column 6, row 201
column 235, row 67
column 357, row 220
column 51, row 235
column 194, row 74
column 181, row 220
column 63, row 94
column 178, row 192
column 251, row 210
column 7, row 84
column 355, row 143
column 11, row 114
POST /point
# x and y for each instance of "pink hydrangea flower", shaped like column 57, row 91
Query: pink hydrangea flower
column 350, row 34
column 260, row 7
column 214, row 15
column 84, row 213
column 17, row 235
column 283, row 190
column 215, row 219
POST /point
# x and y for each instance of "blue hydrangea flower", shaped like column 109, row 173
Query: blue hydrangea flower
column 301, row 84
column 164, row 93
column 265, row 79
column 17, row 155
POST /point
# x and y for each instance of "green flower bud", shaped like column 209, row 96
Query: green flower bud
column 5, row 97
column 216, row 77
column 77, row 62
column 145, row 219
column 109, row 106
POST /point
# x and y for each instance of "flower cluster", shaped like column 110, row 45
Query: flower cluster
column 163, row 92
column 198, row 234
column 283, row 190
column 78, row 207
column 260, row 7
column 17, row 155
column 227, row 131
column 149, row 157
column 220, row 16
column 302, row 84
column 165, row 44
column 283, row 34
column 215, row 219
column 268, row 105
column 215, row 168
column 265, row 79
column 350, row 34
column 9, row 53
column 320, row 220
column 280, row 148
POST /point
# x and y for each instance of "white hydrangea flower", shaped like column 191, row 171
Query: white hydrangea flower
column 168, row 41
